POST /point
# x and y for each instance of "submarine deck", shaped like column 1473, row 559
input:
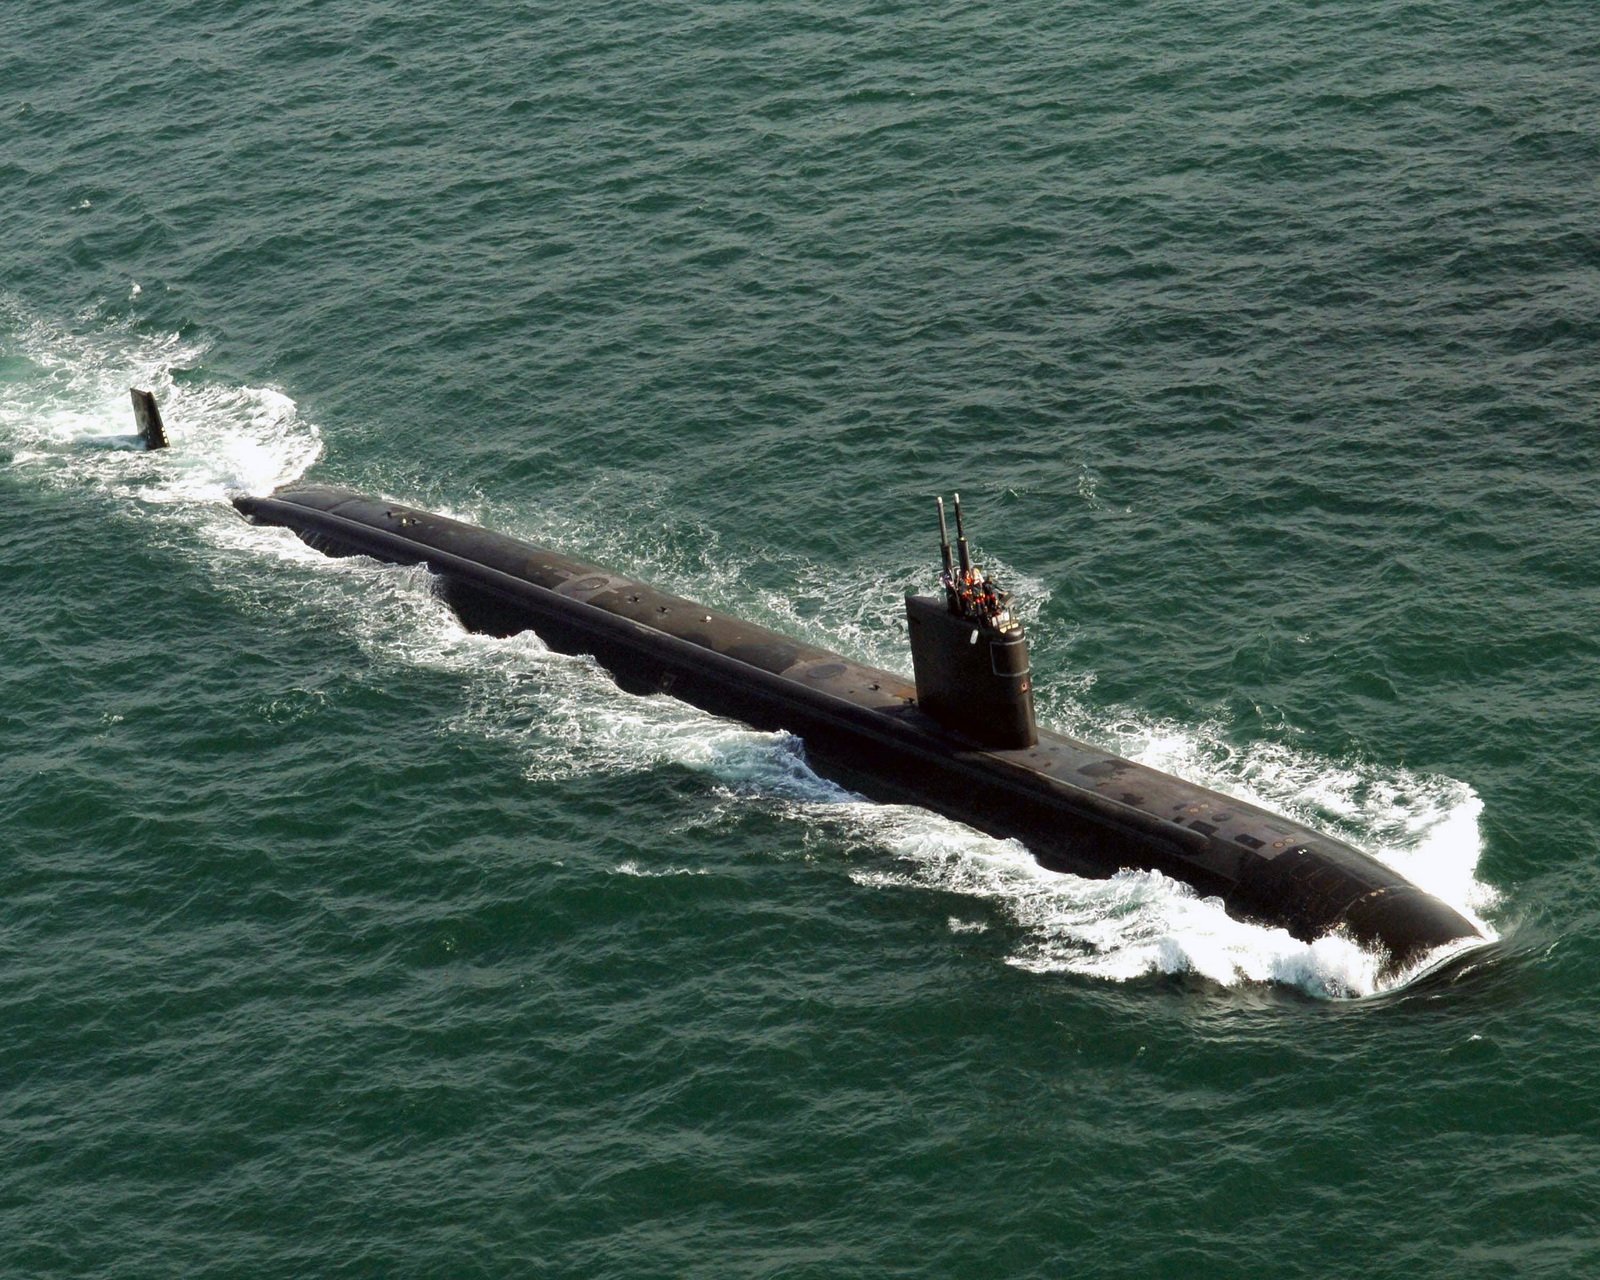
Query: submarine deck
column 1078, row 807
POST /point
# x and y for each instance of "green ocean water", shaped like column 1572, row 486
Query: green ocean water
column 334, row 941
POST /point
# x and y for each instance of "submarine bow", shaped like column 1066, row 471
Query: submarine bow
column 959, row 739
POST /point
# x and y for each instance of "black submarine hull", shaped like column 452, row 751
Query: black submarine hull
column 1076, row 807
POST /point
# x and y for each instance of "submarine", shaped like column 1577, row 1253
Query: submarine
column 959, row 738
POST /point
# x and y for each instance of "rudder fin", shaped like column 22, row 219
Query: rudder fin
column 148, row 417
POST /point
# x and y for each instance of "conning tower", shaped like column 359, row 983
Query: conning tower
column 969, row 654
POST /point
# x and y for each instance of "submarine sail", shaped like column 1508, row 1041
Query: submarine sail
column 959, row 739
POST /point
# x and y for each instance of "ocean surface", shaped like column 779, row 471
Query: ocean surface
column 1261, row 341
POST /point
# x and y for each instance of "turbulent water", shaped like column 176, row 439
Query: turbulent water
column 1261, row 341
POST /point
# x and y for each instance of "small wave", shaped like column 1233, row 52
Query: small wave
column 632, row 868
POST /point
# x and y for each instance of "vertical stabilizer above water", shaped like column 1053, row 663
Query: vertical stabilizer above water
column 148, row 417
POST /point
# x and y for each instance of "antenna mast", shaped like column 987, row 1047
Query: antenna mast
column 961, row 543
